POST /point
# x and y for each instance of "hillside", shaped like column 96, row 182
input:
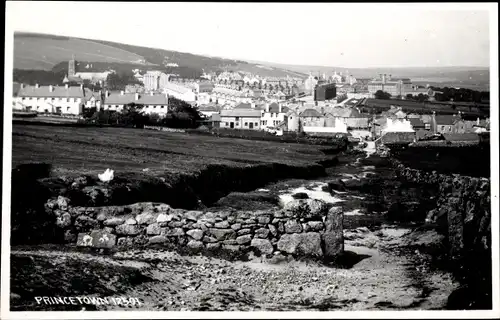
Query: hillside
column 50, row 52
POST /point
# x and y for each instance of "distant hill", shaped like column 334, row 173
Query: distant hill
column 452, row 75
column 51, row 52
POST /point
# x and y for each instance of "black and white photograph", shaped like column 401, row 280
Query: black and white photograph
column 250, row 160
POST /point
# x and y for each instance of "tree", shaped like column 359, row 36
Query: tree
column 382, row 95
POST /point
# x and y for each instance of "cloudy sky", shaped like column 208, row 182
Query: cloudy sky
column 358, row 35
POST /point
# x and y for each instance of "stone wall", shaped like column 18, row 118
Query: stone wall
column 302, row 228
column 463, row 207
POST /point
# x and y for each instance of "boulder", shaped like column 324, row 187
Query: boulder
column 158, row 239
column 131, row 221
column 265, row 219
column 128, row 229
column 96, row 239
column 243, row 232
column 64, row 220
column 62, row 203
column 222, row 225
column 301, row 244
column 300, row 195
column 193, row 215
column 146, row 217
column 163, row 217
column 292, row 226
column 337, row 185
column 222, row 234
column 236, row 226
column 213, row 246
column 196, row 234
column 333, row 238
column 273, row 229
column 262, row 233
column 315, row 225
column 85, row 222
column 174, row 232
column 195, row 245
column 114, row 221
column 244, row 239
column 264, row 246
column 306, row 208
column 153, row 229
column 125, row 241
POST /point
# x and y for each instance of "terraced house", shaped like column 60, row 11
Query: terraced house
column 240, row 119
column 152, row 103
column 68, row 100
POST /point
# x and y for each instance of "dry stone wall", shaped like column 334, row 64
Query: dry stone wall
column 302, row 228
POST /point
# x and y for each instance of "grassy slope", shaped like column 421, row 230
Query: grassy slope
column 43, row 53
column 94, row 149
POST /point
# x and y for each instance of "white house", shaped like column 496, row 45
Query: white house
column 51, row 99
column 152, row 103
column 273, row 116
column 397, row 125
column 240, row 119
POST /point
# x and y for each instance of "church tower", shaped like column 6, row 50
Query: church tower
column 71, row 66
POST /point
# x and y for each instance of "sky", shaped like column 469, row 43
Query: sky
column 360, row 35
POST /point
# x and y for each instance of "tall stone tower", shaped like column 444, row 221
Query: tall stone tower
column 71, row 66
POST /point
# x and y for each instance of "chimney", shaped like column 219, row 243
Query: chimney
column 37, row 85
column 136, row 96
column 477, row 122
column 267, row 107
column 121, row 92
column 51, row 88
column 66, row 86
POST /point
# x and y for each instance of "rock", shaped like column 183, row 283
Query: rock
column 97, row 239
column 315, row 225
column 337, row 185
column 273, row 230
column 109, row 229
column 222, row 225
column 213, row 246
column 176, row 224
column 244, row 239
column 333, row 237
column 128, row 229
column 236, row 226
column 221, row 234
column 174, row 232
column 306, row 208
column 232, row 242
column 131, row 221
column 147, row 217
column 193, row 215
column 196, row 234
column 64, row 220
column 153, row 229
column 232, row 248
column 195, row 245
column 243, row 231
column 86, row 222
column 264, row 219
column 292, row 226
column 262, row 233
column 300, row 195
column 356, row 184
column 125, row 241
column 114, row 221
column 62, row 203
column 208, row 239
column 301, row 244
column 162, row 217
column 158, row 239
column 264, row 246
column 455, row 231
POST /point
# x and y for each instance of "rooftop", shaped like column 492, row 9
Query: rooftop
column 57, row 92
column 310, row 113
column 146, row 99
column 241, row 113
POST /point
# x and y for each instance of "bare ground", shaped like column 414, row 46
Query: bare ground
column 379, row 277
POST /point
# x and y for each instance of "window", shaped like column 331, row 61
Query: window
column 256, row 123
column 246, row 124
column 227, row 123
column 162, row 107
column 237, row 118
column 442, row 128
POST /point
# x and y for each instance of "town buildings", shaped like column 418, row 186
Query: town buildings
column 180, row 92
column 241, row 119
column 68, row 100
column 395, row 87
column 150, row 102
column 155, row 80
column 274, row 115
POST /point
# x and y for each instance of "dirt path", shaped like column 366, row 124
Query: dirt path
column 377, row 280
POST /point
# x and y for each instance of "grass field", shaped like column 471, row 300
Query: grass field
column 92, row 150
column 44, row 53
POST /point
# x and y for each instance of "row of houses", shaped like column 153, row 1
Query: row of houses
column 72, row 100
